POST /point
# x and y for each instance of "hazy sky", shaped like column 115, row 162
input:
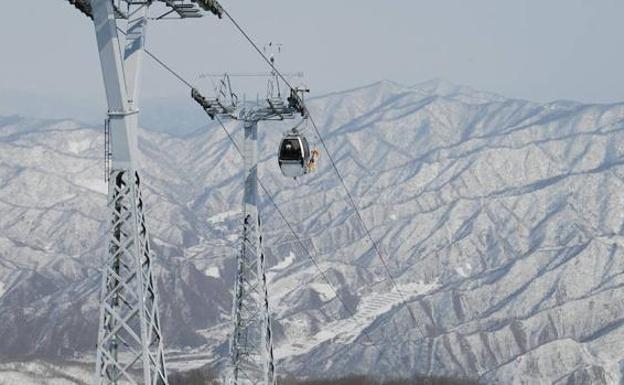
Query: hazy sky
column 535, row 49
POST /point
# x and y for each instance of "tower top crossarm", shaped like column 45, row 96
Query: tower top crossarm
column 172, row 9
column 271, row 108
column 190, row 8
column 213, row 106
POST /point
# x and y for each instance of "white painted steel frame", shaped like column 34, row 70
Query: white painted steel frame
column 130, row 347
column 251, row 347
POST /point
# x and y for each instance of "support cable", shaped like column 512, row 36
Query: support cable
column 169, row 69
column 161, row 63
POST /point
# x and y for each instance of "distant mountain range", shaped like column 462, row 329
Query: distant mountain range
column 500, row 220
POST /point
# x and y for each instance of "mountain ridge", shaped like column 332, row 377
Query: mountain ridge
column 499, row 220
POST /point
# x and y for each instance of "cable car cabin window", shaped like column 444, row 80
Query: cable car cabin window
column 291, row 150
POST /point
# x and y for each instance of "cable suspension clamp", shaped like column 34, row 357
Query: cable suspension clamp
column 213, row 107
column 295, row 100
column 211, row 6
column 83, row 6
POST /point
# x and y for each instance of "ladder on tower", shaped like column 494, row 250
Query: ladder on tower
column 107, row 150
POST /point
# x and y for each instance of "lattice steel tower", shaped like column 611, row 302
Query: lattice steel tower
column 130, row 346
column 251, row 344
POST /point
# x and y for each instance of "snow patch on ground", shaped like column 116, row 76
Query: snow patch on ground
column 43, row 373
column 97, row 185
column 324, row 290
column 78, row 146
column 344, row 331
column 221, row 217
column 285, row 263
column 464, row 271
column 213, row 272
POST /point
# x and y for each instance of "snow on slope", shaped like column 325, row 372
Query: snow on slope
column 42, row 373
column 499, row 219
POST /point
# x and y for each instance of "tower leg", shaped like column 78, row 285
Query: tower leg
column 129, row 335
column 129, row 348
column 251, row 347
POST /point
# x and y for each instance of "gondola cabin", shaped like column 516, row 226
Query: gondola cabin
column 294, row 155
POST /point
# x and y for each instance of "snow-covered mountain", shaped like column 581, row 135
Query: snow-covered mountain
column 499, row 220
